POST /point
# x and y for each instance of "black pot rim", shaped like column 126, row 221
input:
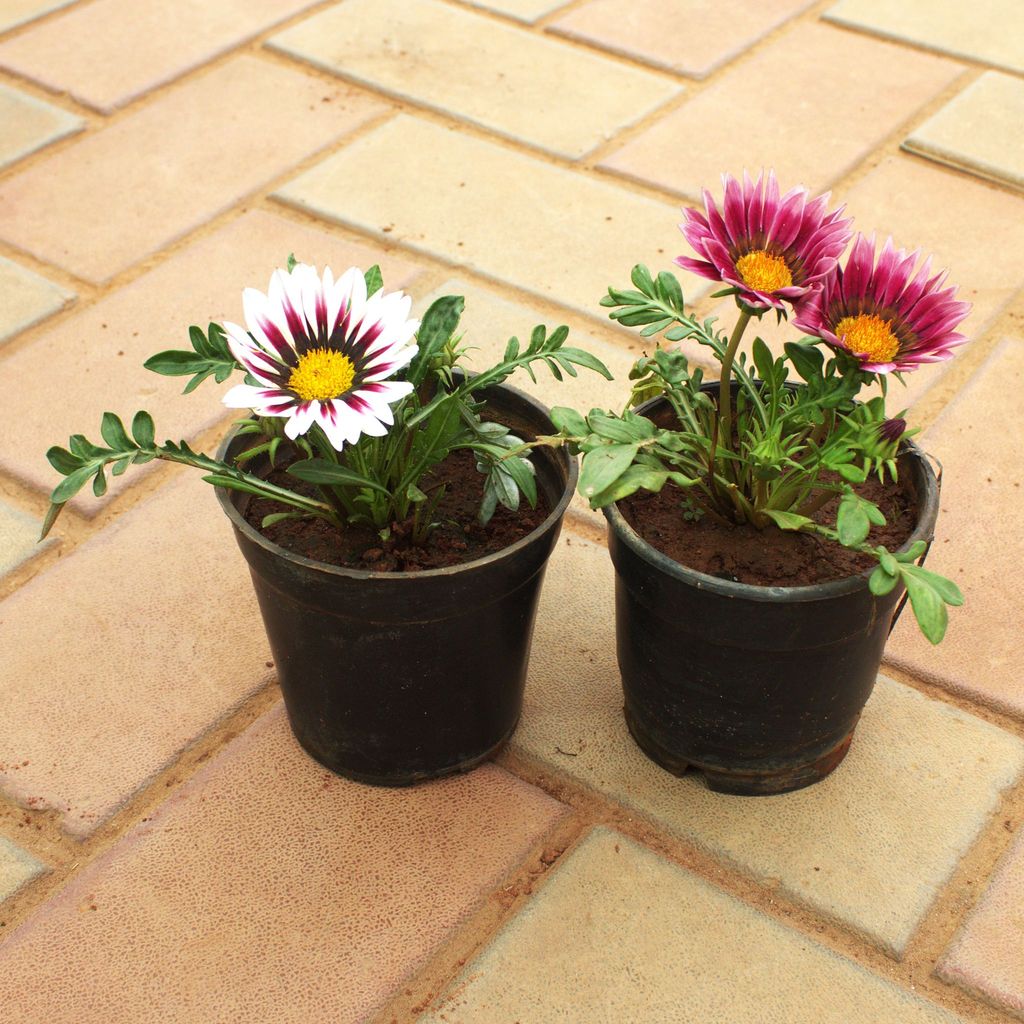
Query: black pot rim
column 927, row 512
column 253, row 535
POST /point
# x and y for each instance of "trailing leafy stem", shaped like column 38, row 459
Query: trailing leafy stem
column 384, row 474
column 770, row 442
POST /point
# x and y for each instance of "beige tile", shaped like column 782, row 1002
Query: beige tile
column 268, row 889
column 19, row 534
column 985, row 957
column 988, row 31
column 627, row 936
column 17, row 12
column 30, row 124
column 109, row 52
column 195, row 151
column 870, row 846
column 26, row 298
column 506, row 79
column 511, row 217
column 978, row 539
column 845, row 92
column 125, row 652
column 16, row 868
column 973, row 230
column 694, row 37
column 201, row 283
column 978, row 131
column 523, row 10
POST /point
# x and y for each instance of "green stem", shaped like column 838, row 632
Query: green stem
column 723, row 423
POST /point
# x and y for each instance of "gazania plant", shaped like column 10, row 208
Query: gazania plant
column 354, row 396
column 778, row 437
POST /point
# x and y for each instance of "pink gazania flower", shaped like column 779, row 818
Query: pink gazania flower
column 773, row 248
column 322, row 352
column 885, row 315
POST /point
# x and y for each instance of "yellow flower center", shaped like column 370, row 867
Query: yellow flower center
column 320, row 374
column 763, row 271
column 868, row 335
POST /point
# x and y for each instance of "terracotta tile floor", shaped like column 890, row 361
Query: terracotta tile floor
column 167, row 852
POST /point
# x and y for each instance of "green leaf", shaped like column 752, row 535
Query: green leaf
column 603, row 466
column 72, row 484
column 320, row 471
column 374, row 280
column 579, row 357
column 99, row 484
column 807, row 360
column 511, row 350
column 764, row 362
column 641, row 277
column 852, row 523
column 114, row 433
column 280, row 517
column 52, row 512
column 670, row 288
column 568, row 421
column 176, row 363
column 521, row 471
column 913, row 553
column 62, row 460
column 436, row 328
column 787, row 520
column 415, row 495
column 945, row 588
column 620, row 429
column 292, row 262
column 143, row 429
column 880, row 582
column 929, row 608
column 632, row 480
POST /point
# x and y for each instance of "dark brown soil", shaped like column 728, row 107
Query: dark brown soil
column 460, row 537
column 769, row 557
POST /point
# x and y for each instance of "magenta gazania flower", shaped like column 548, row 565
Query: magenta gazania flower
column 885, row 314
column 772, row 248
column 322, row 352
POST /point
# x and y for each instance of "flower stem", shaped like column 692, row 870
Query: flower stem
column 724, row 421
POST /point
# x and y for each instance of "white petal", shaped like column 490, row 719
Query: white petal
column 301, row 419
column 241, row 396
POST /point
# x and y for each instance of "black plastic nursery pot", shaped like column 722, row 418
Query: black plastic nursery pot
column 758, row 688
column 394, row 678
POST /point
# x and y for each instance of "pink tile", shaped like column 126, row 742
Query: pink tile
column 122, row 654
column 94, row 359
column 691, row 36
column 268, row 889
column 978, row 539
column 987, row 955
column 122, row 192
column 109, row 52
column 812, row 104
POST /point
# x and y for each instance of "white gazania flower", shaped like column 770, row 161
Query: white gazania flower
column 322, row 352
